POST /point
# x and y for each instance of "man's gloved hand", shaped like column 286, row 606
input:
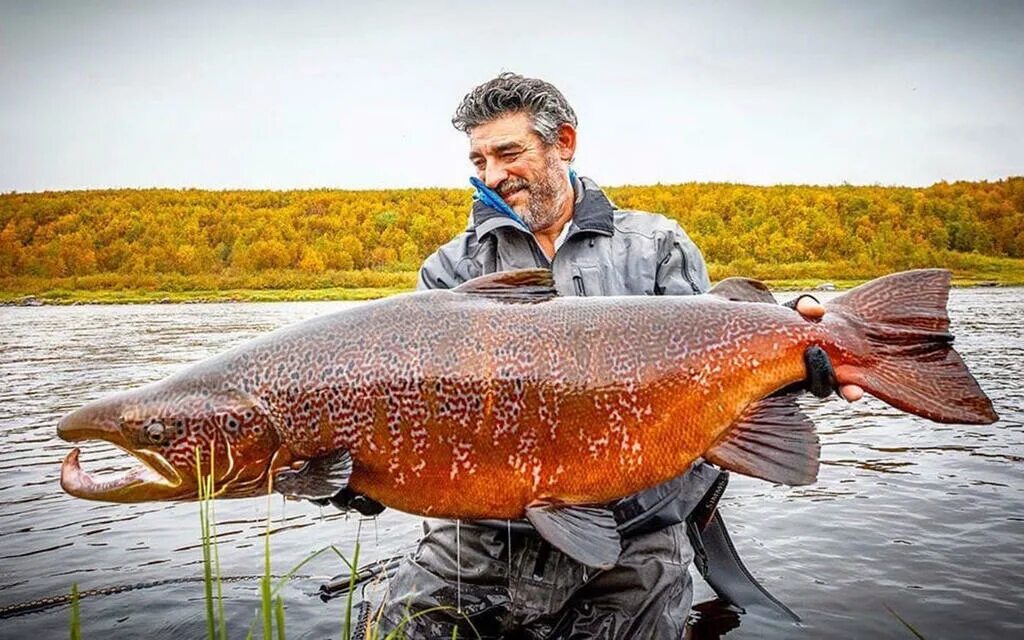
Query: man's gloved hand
column 821, row 378
column 346, row 499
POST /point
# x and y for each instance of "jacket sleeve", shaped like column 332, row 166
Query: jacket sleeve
column 681, row 269
column 441, row 270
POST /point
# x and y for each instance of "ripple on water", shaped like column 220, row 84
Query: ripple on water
column 924, row 519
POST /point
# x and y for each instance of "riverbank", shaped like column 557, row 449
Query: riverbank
column 67, row 296
column 138, row 296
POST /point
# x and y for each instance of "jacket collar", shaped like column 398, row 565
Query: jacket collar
column 592, row 212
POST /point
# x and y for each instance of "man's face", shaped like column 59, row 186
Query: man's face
column 530, row 175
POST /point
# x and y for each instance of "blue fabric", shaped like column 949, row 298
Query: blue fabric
column 491, row 198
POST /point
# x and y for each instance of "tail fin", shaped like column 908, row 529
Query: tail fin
column 908, row 359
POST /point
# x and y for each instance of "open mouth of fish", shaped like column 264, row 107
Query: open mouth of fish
column 154, row 478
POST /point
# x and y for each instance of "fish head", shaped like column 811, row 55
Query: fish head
column 180, row 435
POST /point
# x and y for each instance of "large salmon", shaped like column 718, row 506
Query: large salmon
column 499, row 399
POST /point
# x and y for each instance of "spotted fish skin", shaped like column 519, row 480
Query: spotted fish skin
column 463, row 406
column 443, row 397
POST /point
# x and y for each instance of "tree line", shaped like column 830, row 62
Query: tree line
column 126, row 237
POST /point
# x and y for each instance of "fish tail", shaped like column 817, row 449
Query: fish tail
column 903, row 352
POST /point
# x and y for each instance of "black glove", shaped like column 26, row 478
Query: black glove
column 347, row 499
column 821, row 377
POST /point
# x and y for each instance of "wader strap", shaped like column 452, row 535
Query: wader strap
column 725, row 572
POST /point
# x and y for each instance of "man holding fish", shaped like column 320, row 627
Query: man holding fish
column 536, row 391
column 531, row 210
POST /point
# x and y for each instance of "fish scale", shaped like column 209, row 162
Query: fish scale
column 500, row 399
column 629, row 400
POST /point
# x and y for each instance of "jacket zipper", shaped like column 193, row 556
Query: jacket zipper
column 686, row 270
column 577, row 283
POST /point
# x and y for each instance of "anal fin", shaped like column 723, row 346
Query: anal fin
column 773, row 440
column 586, row 534
column 318, row 478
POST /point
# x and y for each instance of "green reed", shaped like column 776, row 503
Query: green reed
column 266, row 598
column 272, row 609
column 216, row 626
column 271, row 614
column 76, row 623
column 353, row 572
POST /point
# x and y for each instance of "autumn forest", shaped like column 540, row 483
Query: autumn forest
column 60, row 244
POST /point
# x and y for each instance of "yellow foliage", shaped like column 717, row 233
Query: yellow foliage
column 309, row 238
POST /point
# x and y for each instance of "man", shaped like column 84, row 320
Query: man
column 531, row 210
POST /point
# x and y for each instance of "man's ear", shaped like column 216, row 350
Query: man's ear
column 566, row 142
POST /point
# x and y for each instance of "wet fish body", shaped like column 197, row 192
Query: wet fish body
column 482, row 401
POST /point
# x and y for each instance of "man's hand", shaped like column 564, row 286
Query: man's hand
column 808, row 307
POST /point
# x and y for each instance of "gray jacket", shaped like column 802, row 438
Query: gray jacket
column 607, row 251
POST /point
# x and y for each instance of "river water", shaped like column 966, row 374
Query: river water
column 907, row 518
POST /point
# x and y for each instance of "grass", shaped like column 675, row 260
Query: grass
column 271, row 614
column 968, row 269
column 142, row 296
column 353, row 572
column 211, row 558
column 76, row 624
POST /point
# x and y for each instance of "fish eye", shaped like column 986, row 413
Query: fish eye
column 155, row 431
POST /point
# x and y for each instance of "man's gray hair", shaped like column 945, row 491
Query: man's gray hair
column 512, row 93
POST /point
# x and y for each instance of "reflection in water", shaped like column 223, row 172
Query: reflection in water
column 712, row 620
column 926, row 519
column 879, row 466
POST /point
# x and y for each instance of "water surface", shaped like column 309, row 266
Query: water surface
column 925, row 519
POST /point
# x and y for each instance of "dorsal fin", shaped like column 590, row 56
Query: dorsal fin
column 521, row 285
column 743, row 290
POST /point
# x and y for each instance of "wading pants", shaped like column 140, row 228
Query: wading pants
column 541, row 593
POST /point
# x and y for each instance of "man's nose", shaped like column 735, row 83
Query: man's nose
column 494, row 175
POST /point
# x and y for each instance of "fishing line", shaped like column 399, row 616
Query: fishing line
column 458, row 566
column 508, row 531
column 381, row 562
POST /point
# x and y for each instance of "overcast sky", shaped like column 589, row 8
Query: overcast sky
column 360, row 94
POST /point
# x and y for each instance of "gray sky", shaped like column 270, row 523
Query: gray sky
column 360, row 94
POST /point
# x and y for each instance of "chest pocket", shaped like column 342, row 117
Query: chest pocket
column 588, row 280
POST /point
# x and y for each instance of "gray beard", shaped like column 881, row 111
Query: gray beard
column 545, row 200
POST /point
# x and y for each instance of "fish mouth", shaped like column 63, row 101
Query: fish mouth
column 154, row 479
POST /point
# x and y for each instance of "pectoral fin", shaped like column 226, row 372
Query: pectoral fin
column 318, row 478
column 585, row 534
column 773, row 440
